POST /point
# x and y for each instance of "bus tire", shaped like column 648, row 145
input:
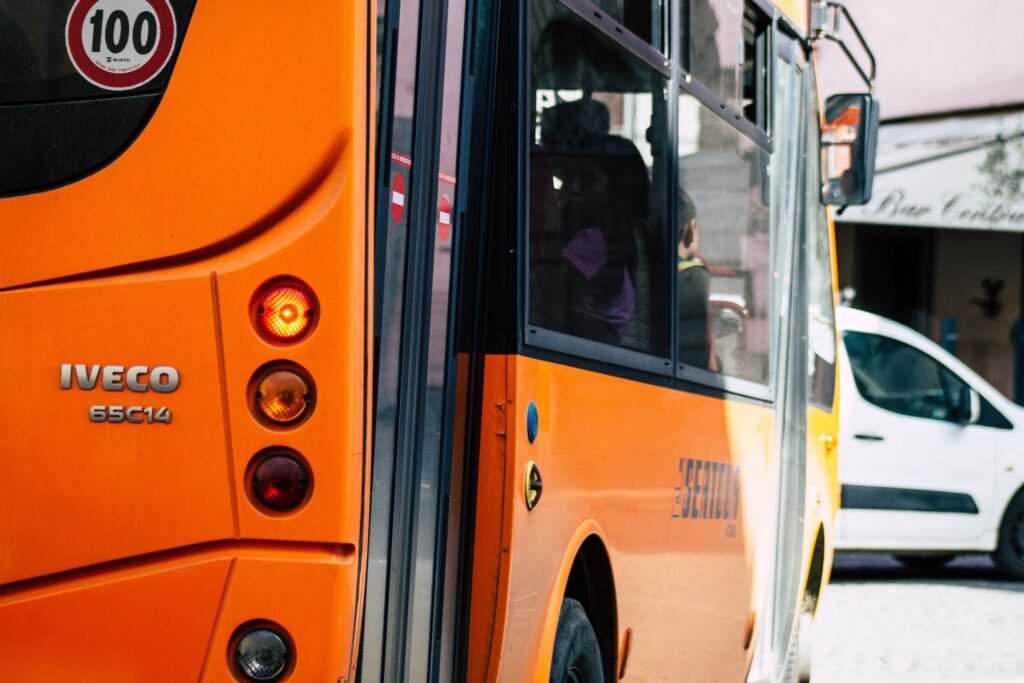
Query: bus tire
column 577, row 657
column 1009, row 555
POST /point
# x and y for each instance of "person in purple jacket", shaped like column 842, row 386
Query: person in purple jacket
column 603, row 194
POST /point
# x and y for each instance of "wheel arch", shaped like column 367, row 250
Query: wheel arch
column 586, row 575
column 591, row 583
column 1017, row 493
column 1010, row 500
column 816, row 578
column 1009, row 555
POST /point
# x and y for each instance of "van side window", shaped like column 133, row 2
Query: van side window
column 897, row 377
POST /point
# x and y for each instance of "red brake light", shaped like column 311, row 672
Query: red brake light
column 285, row 312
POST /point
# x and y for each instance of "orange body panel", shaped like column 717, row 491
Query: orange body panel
column 822, row 484
column 244, row 133
column 491, row 537
column 796, row 11
column 68, row 632
column 127, row 546
column 609, row 451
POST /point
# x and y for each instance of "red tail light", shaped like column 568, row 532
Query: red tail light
column 280, row 481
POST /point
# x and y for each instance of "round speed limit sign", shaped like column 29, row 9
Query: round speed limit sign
column 120, row 44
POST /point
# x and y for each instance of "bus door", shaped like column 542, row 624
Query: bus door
column 777, row 646
column 419, row 90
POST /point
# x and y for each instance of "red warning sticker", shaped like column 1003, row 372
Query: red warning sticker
column 397, row 198
column 120, row 44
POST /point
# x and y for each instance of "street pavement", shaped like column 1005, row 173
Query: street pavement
column 882, row 623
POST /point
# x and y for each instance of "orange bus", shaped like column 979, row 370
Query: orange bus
column 413, row 341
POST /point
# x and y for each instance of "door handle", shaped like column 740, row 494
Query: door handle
column 869, row 437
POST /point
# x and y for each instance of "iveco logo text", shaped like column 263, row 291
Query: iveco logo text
column 140, row 378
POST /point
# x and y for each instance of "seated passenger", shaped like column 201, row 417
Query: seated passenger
column 602, row 194
column 693, row 289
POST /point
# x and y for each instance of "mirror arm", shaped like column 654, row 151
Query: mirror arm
column 822, row 30
column 869, row 81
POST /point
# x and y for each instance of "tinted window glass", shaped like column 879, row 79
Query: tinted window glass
column 900, row 378
column 34, row 61
column 722, row 270
column 598, row 205
column 58, row 125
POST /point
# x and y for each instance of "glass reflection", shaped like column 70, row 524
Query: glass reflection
column 723, row 250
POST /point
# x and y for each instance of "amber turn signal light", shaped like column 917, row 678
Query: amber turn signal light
column 282, row 396
column 285, row 311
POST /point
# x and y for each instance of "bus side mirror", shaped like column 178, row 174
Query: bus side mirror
column 848, row 141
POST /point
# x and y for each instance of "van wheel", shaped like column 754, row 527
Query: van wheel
column 577, row 657
column 925, row 563
column 1009, row 555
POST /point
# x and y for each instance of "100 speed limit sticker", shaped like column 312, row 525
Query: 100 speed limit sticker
column 120, row 44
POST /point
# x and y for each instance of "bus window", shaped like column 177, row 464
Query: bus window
column 723, row 251
column 727, row 42
column 643, row 17
column 597, row 200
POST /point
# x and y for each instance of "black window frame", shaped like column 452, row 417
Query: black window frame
column 539, row 337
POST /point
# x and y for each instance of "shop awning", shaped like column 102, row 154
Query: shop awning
column 963, row 172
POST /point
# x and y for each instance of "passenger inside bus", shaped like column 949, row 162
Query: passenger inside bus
column 600, row 199
column 693, row 286
column 600, row 265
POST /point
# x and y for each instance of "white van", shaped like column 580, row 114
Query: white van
column 931, row 455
